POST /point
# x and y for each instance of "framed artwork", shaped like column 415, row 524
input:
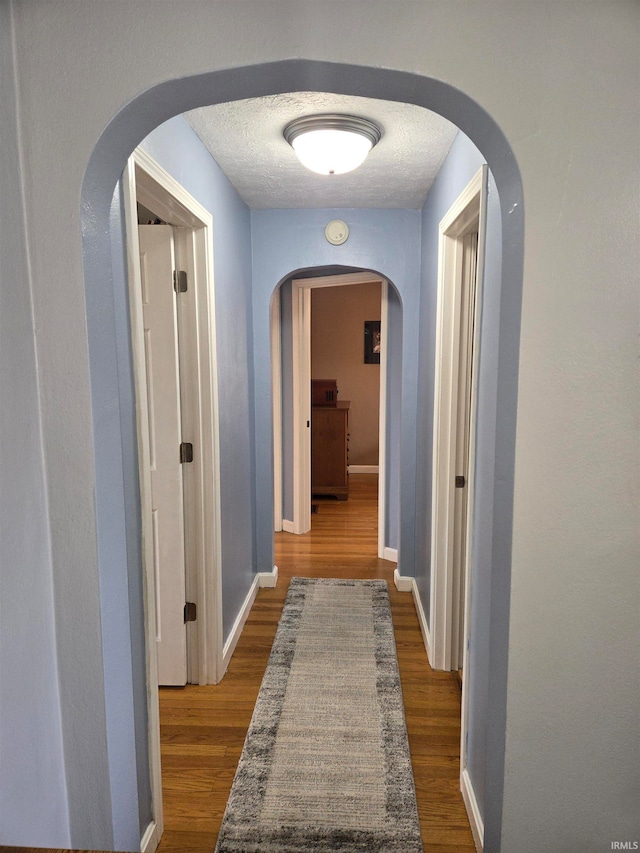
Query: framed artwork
column 372, row 341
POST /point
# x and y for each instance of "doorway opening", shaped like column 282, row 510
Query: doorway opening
column 462, row 236
column 172, row 311
column 292, row 366
column 147, row 111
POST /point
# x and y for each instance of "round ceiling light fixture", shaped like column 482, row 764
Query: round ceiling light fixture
column 332, row 144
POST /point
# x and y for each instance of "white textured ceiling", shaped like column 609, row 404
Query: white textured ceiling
column 245, row 138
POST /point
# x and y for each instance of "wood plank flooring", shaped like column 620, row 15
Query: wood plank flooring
column 203, row 728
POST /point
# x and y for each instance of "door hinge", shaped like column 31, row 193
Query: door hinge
column 180, row 281
column 460, row 482
column 190, row 611
column 186, row 452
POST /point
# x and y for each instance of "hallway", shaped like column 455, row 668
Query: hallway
column 203, row 728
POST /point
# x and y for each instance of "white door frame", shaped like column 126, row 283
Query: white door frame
column 468, row 213
column 276, row 404
column 301, row 329
column 145, row 181
column 301, row 372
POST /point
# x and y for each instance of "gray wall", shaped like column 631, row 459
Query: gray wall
column 31, row 751
column 523, row 79
column 178, row 150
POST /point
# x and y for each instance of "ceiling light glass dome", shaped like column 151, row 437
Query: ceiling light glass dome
column 332, row 144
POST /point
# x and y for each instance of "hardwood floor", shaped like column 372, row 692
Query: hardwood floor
column 203, row 728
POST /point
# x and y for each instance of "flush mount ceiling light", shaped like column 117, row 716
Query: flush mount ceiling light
column 332, row 144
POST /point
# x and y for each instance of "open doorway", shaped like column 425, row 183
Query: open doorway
column 173, row 342
column 298, row 356
column 100, row 181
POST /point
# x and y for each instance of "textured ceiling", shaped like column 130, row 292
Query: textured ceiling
column 245, row 138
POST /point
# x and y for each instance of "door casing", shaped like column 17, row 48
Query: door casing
column 146, row 181
column 301, row 323
column 467, row 214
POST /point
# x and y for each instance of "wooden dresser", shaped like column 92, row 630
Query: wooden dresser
column 330, row 450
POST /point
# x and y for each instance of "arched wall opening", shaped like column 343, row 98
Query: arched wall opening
column 117, row 509
column 390, row 385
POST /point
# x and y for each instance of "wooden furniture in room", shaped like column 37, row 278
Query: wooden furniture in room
column 329, row 450
column 324, row 392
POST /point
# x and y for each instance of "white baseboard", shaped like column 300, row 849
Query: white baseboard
column 261, row 580
column 267, row 580
column 287, row 526
column 422, row 619
column 362, row 469
column 390, row 554
column 471, row 805
column 238, row 625
column 150, row 839
column 403, row 584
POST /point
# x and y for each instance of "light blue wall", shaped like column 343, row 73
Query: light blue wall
column 385, row 241
column 177, row 148
column 395, row 379
column 461, row 164
column 31, row 748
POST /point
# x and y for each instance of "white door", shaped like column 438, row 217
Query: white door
column 157, row 263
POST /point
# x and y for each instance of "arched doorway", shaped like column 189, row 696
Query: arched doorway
column 101, row 275
column 289, row 478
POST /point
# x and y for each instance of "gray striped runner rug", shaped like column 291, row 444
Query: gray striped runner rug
column 325, row 765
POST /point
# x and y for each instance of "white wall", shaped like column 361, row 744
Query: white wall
column 560, row 79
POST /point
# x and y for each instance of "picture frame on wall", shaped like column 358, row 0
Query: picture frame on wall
column 372, row 341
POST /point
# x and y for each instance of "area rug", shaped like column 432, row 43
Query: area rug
column 325, row 765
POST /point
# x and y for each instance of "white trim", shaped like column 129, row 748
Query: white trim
column 156, row 189
column 276, row 404
column 407, row 584
column 262, row 580
column 144, row 475
column 145, row 181
column 390, row 554
column 473, row 810
column 362, row 469
column 150, row 840
column 461, row 218
column 382, row 432
column 288, row 526
column 402, row 582
column 339, row 280
column 268, row 580
column 238, row 625
column 165, row 196
column 301, row 323
column 473, row 416
column 422, row 619
column 301, row 376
